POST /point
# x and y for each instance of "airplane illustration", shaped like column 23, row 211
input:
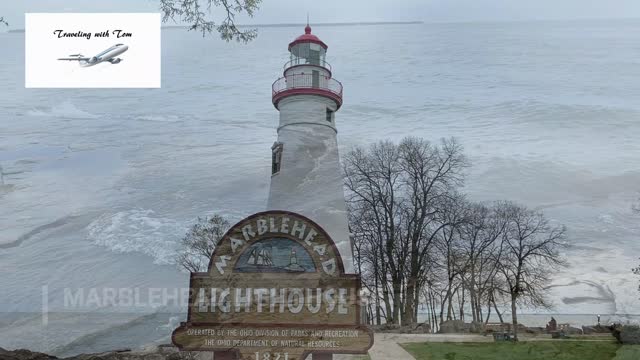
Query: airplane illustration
column 108, row 55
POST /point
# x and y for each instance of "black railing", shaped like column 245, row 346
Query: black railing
column 303, row 61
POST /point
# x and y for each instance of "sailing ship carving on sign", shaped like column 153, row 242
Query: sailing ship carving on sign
column 275, row 288
column 275, row 255
column 260, row 257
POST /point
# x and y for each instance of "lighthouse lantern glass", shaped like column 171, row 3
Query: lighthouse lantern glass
column 308, row 53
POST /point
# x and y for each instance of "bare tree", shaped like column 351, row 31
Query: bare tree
column 396, row 196
column 372, row 180
column 448, row 255
column 2, row 21
column 198, row 14
column 200, row 242
column 418, row 238
column 481, row 249
column 368, row 254
column 432, row 175
column 531, row 253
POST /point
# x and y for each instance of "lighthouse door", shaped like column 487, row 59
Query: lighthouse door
column 315, row 79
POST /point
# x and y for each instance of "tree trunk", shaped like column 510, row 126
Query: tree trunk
column 514, row 317
column 407, row 316
column 495, row 306
column 461, row 303
column 434, row 318
column 450, row 306
column 377, row 287
column 416, row 302
column 488, row 314
column 387, row 303
column 397, row 299
column 442, row 305
column 473, row 301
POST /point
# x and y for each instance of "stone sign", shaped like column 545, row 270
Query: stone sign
column 275, row 290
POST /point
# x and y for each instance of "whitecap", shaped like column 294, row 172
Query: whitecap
column 63, row 110
column 159, row 118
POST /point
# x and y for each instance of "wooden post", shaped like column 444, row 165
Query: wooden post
column 223, row 355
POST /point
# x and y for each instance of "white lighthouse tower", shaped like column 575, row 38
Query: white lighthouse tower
column 306, row 174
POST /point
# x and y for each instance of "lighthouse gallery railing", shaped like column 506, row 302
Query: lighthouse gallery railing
column 307, row 81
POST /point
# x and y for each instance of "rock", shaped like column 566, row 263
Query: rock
column 535, row 330
column 476, row 328
column 423, row 328
column 386, row 327
column 453, row 327
column 23, row 354
column 123, row 354
column 572, row 331
column 598, row 329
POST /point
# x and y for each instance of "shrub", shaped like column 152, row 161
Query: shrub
column 627, row 334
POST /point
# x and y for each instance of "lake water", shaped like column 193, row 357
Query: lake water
column 99, row 185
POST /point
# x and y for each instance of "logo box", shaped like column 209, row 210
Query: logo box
column 98, row 50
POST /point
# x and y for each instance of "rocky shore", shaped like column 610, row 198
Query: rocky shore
column 125, row 354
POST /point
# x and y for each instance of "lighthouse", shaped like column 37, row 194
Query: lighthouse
column 306, row 176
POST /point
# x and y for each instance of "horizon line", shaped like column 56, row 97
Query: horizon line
column 355, row 23
column 350, row 23
column 412, row 22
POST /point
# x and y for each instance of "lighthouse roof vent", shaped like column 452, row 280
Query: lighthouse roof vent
column 307, row 37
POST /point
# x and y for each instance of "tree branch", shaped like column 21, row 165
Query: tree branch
column 198, row 18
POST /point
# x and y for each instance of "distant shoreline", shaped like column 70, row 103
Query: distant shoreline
column 365, row 23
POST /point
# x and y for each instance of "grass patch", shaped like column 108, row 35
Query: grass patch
column 534, row 350
column 628, row 352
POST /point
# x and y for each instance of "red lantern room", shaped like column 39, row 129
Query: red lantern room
column 307, row 72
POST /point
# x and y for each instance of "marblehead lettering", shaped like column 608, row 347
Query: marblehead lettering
column 272, row 225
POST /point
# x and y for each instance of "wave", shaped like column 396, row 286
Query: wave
column 54, row 224
column 63, row 110
column 138, row 332
column 159, row 118
column 138, row 230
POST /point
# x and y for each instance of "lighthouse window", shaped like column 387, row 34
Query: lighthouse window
column 276, row 157
column 329, row 115
column 314, row 57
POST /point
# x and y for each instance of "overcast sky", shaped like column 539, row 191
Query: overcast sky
column 288, row 11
